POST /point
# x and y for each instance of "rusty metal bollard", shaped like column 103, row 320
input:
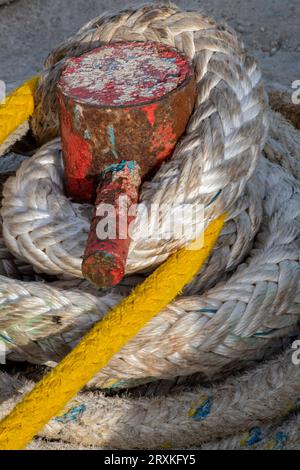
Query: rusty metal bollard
column 123, row 107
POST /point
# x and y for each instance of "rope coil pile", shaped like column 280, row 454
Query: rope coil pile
column 241, row 305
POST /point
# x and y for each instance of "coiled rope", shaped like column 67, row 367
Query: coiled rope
column 227, row 326
column 178, row 415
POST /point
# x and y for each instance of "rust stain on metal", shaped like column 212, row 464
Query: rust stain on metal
column 121, row 102
column 122, row 74
column 104, row 260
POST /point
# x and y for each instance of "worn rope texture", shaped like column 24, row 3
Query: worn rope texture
column 283, row 145
column 280, row 436
column 226, row 132
column 284, row 436
column 264, row 394
column 282, row 102
column 234, row 322
column 234, row 243
column 9, row 265
column 177, row 416
column 105, row 340
column 42, row 226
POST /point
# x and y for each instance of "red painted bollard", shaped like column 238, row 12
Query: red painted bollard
column 123, row 107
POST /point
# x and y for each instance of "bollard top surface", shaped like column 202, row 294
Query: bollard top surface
column 124, row 74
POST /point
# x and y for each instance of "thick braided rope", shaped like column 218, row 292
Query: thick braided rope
column 104, row 340
column 280, row 100
column 225, row 135
column 185, row 417
column 282, row 147
column 283, row 436
column 295, row 238
column 43, row 227
column 9, row 265
column 228, row 325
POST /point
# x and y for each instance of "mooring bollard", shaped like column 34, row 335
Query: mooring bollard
column 123, row 107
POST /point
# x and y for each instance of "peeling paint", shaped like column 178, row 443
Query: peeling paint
column 122, row 74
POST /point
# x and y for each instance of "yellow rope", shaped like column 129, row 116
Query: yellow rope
column 17, row 108
column 104, row 340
